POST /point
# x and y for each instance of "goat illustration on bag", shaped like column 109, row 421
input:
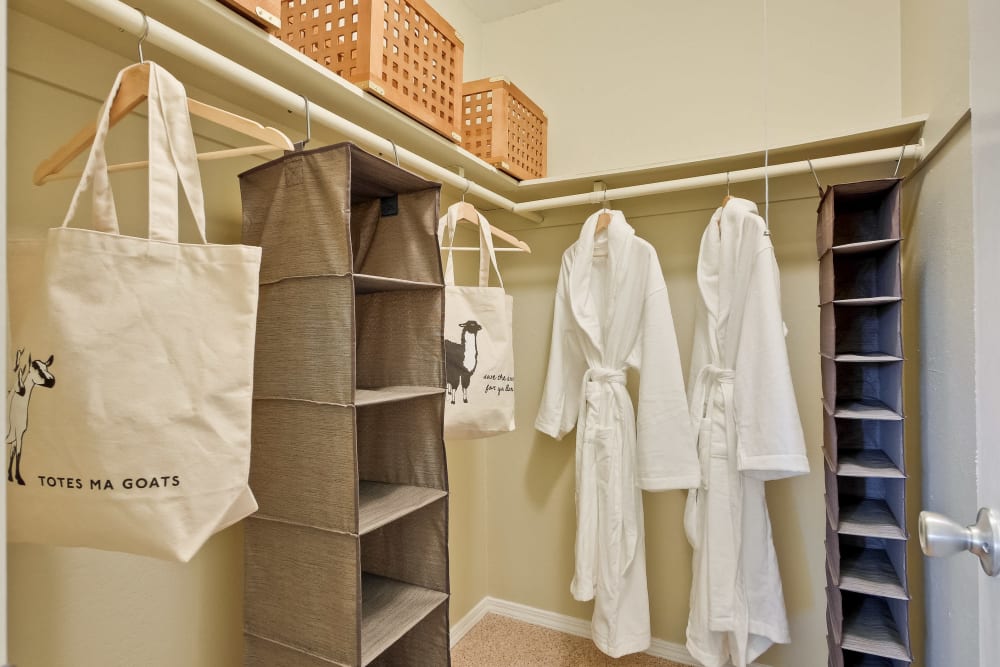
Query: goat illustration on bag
column 33, row 374
column 461, row 360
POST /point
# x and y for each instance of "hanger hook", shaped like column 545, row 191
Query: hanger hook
column 727, row 183
column 468, row 184
column 819, row 185
column 299, row 145
column 604, row 196
column 145, row 33
column 395, row 153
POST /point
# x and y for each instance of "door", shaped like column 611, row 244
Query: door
column 954, row 595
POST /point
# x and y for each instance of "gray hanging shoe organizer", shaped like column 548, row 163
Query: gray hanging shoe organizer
column 347, row 558
column 858, row 243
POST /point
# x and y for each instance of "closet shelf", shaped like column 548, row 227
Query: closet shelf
column 389, row 609
column 870, row 571
column 864, row 358
column 876, row 410
column 381, row 503
column 864, row 246
column 867, row 301
column 870, row 629
column 366, row 284
column 868, row 517
column 867, row 463
column 363, row 397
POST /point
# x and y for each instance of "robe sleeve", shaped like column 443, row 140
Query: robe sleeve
column 666, row 454
column 771, row 442
column 560, row 405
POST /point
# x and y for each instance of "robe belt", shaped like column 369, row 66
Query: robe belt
column 707, row 379
column 615, row 395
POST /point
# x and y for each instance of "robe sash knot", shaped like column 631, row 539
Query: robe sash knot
column 605, row 478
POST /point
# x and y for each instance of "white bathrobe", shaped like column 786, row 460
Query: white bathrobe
column 611, row 313
column 743, row 407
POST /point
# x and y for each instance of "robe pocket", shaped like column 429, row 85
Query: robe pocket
column 692, row 518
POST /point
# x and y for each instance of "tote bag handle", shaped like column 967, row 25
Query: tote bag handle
column 172, row 155
column 487, row 254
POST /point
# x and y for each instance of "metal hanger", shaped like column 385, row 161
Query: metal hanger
column 604, row 219
column 299, row 145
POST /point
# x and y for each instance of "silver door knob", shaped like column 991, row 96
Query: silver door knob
column 940, row 536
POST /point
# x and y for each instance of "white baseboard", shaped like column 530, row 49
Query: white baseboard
column 570, row 625
column 469, row 621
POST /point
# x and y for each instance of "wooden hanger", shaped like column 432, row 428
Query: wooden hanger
column 132, row 92
column 466, row 212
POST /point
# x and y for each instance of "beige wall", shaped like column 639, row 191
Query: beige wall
column 938, row 271
column 651, row 81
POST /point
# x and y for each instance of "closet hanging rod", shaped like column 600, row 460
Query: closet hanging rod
column 131, row 20
column 910, row 151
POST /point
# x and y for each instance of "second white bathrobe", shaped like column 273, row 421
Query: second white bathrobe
column 744, row 408
column 611, row 313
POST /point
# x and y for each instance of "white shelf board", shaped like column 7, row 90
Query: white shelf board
column 389, row 609
column 364, row 397
column 381, row 503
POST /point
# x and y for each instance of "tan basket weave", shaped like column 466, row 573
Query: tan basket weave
column 400, row 50
column 501, row 125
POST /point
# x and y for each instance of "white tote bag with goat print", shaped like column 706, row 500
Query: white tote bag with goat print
column 131, row 364
column 479, row 350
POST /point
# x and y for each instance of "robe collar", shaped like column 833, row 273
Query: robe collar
column 721, row 266
column 619, row 238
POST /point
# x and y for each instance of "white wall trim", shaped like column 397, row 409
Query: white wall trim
column 659, row 648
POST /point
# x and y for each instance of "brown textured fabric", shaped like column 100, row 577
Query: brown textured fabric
column 303, row 588
column 400, row 443
column 305, row 340
column 303, row 464
column 413, row 549
column 426, row 644
column 397, row 246
column 260, row 652
column 399, row 338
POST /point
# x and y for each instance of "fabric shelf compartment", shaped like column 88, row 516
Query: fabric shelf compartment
column 389, row 610
column 864, row 448
column 860, row 331
column 402, row 443
column 875, row 626
column 400, row 339
column 853, row 386
column 858, row 212
column 852, row 659
column 866, row 506
column 872, row 566
column 381, row 503
column 347, row 559
column 861, row 275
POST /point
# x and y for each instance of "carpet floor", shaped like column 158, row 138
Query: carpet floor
column 499, row 641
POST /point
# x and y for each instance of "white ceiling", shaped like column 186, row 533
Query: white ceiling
column 492, row 10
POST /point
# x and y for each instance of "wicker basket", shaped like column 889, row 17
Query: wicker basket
column 400, row 50
column 501, row 125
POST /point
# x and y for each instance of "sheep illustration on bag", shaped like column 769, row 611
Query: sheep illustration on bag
column 33, row 374
column 461, row 360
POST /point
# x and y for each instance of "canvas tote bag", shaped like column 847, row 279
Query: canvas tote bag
column 131, row 365
column 479, row 349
